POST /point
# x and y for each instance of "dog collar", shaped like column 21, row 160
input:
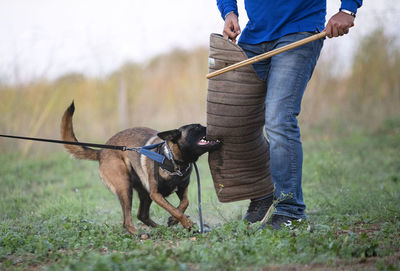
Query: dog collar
column 176, row 170
column 173, row 168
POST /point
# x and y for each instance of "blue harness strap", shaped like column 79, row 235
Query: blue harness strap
column 174, row 169
column 146, row 150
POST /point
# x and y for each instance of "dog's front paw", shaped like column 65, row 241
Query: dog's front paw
column 187, row 223
column 130, row 229
column 172, row 221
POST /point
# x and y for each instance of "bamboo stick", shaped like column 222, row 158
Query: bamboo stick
column 267, row 55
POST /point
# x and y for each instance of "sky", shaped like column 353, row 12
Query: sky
column 48, row 38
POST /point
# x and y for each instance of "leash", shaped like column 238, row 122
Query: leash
column 85, row 144
column 145, row 150
column 199, row 198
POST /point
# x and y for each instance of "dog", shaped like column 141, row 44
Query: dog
column 123, row 171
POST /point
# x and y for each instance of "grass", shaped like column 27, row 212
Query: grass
column 56, row 214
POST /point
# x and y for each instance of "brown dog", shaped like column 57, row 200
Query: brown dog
column 123, row 171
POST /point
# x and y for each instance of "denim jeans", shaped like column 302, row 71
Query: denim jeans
column 287, row 75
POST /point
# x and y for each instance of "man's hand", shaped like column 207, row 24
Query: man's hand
column 339, row 24
column 231, row 27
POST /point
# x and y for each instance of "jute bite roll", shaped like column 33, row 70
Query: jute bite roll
column 236, row 116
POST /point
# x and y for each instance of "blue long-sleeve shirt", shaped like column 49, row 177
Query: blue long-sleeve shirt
column 272, row 19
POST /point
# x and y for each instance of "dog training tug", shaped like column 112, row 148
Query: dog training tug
column 122, row 171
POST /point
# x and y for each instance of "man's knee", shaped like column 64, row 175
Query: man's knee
column 281, row 124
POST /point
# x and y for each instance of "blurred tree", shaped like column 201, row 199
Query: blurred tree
column 376, row 72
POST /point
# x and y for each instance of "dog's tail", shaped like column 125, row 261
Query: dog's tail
column 67, row 134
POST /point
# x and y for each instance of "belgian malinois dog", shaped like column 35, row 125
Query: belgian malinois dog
column 123, row 171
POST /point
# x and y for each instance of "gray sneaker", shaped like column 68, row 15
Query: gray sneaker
column 276, row 222
column 257, row 209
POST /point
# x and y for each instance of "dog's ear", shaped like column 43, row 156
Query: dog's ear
column 172, row 135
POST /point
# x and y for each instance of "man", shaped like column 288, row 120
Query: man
column 273, row 24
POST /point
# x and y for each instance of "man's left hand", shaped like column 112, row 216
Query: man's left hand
column 339, row 24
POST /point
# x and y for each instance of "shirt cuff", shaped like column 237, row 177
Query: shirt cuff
column 350, row 5
column 229, row 9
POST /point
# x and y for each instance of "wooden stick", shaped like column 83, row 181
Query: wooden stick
column 267, row 54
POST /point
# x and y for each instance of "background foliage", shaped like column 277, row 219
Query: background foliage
column 170, row 90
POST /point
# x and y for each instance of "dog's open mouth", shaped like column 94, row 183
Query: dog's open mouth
column 208, row 143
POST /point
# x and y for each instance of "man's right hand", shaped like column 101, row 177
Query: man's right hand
column 231, row 27
column 339, row 24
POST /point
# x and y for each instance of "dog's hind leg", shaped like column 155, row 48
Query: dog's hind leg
column 125, row 198
column 115, row 175
column 144, row 208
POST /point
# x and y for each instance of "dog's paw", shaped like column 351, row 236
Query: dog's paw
column 131, row 230
column 172, row 221
column 187, row 223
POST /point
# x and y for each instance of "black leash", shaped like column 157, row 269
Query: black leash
column 83, row 144
column 143, row 150
column 199, row 198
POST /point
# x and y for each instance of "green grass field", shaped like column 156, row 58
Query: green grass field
column 56, row 214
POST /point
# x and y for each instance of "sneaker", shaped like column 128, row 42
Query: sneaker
column 276, row 222
column 257, row 209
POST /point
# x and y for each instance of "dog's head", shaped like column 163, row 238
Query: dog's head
column 189, row 141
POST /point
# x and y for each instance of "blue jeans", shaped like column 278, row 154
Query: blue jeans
column 287, row 75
